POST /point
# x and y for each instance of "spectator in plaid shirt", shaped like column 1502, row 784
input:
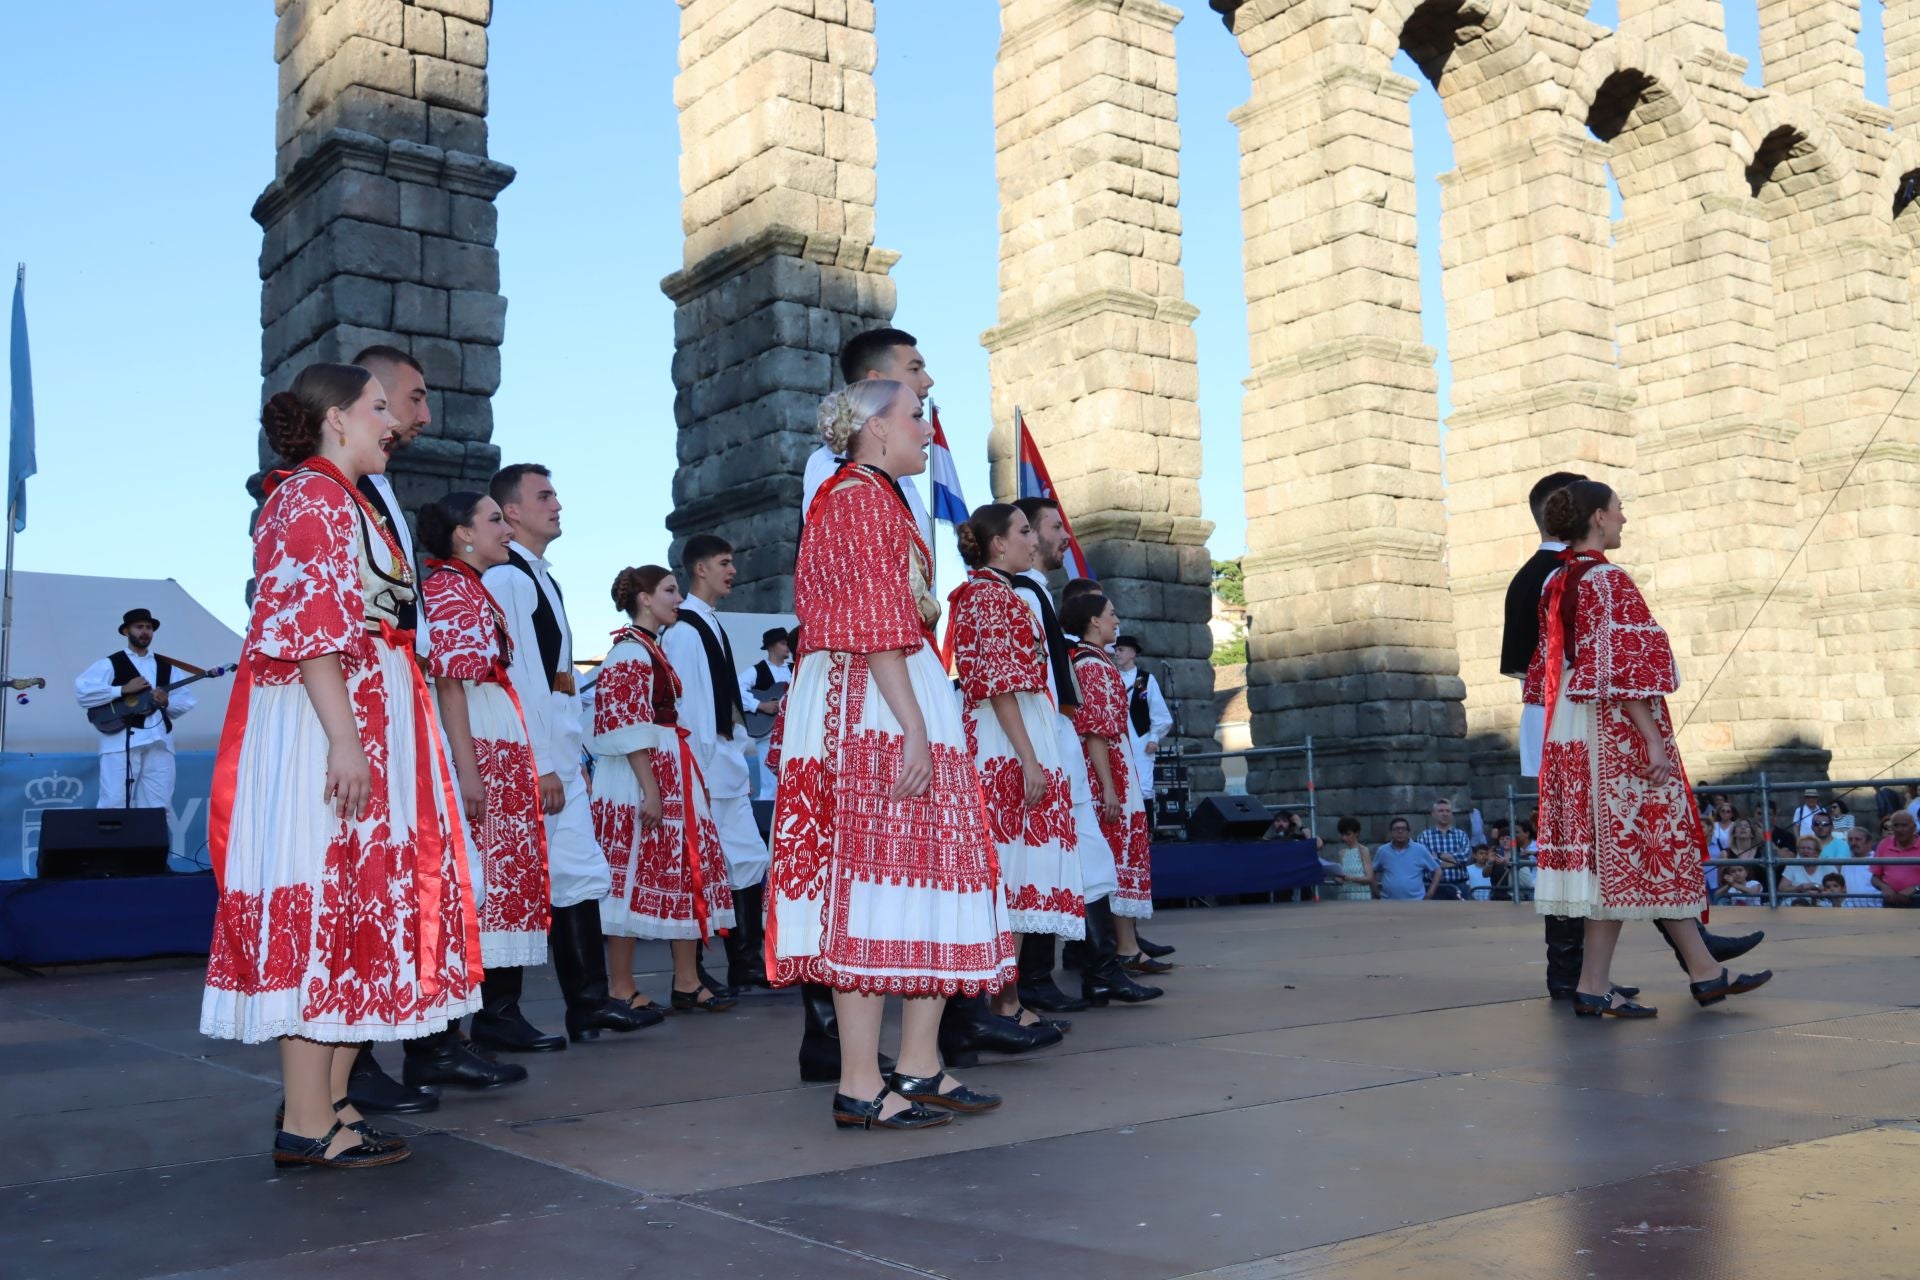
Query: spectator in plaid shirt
column 1448, row 843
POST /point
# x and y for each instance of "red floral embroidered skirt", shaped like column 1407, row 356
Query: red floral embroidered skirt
column 1036, row 845
column 320, row 930
column 1127, row 836
column 658, row 890
column 510, row 840
column 1613, row 847
column 873, row 894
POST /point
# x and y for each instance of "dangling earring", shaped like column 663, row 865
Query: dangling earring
column 469, row 548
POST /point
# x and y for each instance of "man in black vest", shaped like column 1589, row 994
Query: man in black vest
column 543, row 676
column 441, row 1060
column 1566, row 938
column 714, row 716
column 136, row 762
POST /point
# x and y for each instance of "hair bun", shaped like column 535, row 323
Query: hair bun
column 837, row 421
column 291, row 429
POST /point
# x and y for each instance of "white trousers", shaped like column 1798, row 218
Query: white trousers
column 740, row 842
column 1098, row 877
column 576, row 866
column 1533, row 738
column 153, row 769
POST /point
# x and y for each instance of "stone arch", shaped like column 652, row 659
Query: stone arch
column 1897, row 196
column 1798, row 168
column 1634, row 97
column 1478, row 54
column 1268, row 31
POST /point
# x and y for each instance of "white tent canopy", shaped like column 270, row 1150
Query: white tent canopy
column 63, row 623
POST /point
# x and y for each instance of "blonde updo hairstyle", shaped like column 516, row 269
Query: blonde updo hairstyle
column 976, row 534
column 632, row 583
column 846, row 412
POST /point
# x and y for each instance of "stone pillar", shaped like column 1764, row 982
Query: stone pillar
column 1901, row 22
column 1351, row 627
column 1095, row 341
column 380, row 220
column 1811, row 48
column 1524, row 235
column 777, row 174
column 1679, row 26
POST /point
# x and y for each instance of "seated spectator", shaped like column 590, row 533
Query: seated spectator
column 1833, row 890
column 1479, row 878
column 1356, row 869
column 1794, row 879
column 1858, row 869
column 1743, row 841
column 1897, row 884
column 1720, row 829
column 1403, row 869
column 1452, row 846
column 1842, row 820
column 1832, row 845
column 1810, row 807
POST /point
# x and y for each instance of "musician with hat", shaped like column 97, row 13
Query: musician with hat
column 136, row 758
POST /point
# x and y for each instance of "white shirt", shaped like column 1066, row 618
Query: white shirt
column 94, row 687
column 1040, row 579
column 1159, row 719
column 749, row 696
column 404, row 536
column 822, row 463
column 553, row 739
column 722, row 758
column 1803, row 818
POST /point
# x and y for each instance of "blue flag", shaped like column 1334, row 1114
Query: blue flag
column 20, row 461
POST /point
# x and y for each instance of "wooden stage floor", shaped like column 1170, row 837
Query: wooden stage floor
column 1334, row 1090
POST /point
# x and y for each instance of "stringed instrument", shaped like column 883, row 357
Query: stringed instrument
column 131, row 710
column 758, row 723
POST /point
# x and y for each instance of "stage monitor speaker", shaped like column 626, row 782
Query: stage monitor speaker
column 92, row 844
column 1218, row 818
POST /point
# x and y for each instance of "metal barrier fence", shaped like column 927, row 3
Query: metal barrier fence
column 1303, row 751
column 1766, row 789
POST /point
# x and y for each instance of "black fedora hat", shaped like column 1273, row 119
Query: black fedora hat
column 1130, row 642
column 137, row 615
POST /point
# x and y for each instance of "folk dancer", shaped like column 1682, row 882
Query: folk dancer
column 651, row 811
column 469, row 656
column 136, row 762
column 713, row 713
column 443, row 1059
column 877, row 353
column 1102, row 724
column 1000, row 658
column 884, row 878
column 1147, row 713
column 1519, row 640
column 1620, row 837
column 1103, row 977
column 331, row 800
column 542, row 642
column 761, row 688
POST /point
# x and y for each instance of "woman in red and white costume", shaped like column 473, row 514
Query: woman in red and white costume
column 345, row 913
column 1000, row 656
column 469, row 653
column 1101, row 721
column 650, row 810
column 884, row 880
column 1620, row 836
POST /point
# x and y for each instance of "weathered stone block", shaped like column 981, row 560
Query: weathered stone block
column 439, row 360
column 477, row 316
column 456, row 264
column 473, row 220
column 420, row 309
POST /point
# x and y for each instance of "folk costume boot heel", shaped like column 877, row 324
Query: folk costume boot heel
column 580, row 962
column 500, row 1025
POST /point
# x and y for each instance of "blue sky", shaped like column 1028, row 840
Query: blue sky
column 129, row 172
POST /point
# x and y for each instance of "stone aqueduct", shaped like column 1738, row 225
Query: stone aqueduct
column 1725, row 352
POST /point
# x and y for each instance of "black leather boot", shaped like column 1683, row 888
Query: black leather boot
column 1037, row 987
column 746, row 959
column 1719, row 946
column 968, row 1025
column 1566, row 947
column 580, row 962
column 444, row 1059
column 500, row 1024
column 820, row 1043
column 1104, row 978
column 372, row 1090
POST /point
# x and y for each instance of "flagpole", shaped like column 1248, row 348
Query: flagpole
column 6, row 603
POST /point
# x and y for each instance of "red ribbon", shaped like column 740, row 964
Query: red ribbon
column 1574, row 566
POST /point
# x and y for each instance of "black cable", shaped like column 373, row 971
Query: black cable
column 1837, row 491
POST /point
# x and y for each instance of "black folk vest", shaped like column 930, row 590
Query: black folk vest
column 125, row 673
column 1137, row 709
column 728, row 710
column 546, row 623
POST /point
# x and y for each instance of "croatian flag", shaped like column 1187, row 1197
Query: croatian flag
column 948, row 505
column 1036, row 483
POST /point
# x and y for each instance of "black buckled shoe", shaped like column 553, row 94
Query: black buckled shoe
column 1153, row 949
column 291, row 1151
column 968, row 1027
column 373, row 1091
column 585, row 1023
column 370, row 1135
column 926, row 1090
column 447, row 1061
column 1713, row 992
column 1609, row 1006
column 851, row 1113
column 718, row 999
column 1141, row 962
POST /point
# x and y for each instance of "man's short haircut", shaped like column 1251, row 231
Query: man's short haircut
column 1348, row 824
column 1077, row 587
column 392, row 355
column 872, row 352
column 1032, row 507
column 702, row 547
column 505, row 485
column 1441, row 800
column 1545, row 487
column 1399, row 822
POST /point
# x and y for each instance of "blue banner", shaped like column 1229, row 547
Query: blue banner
column 32, row 784
column 20, row 459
